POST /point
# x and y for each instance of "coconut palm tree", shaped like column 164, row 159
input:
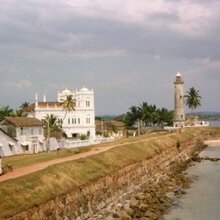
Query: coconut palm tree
column 68, row 105
column 24, row 105
column 6, row 111
column 193, row 99
column 19, row 113
column 51, row 125
column 134, row 116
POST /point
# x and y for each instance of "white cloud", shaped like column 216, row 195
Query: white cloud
column 23, row 84
column 100, row 54
column 157, row 57
column 194, row 17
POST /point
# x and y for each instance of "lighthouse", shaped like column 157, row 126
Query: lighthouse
column 179, row 114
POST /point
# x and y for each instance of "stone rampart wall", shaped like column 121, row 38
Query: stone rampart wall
column 90, row 199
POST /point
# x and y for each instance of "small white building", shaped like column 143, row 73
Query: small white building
column 75, row 123
column 21, row 135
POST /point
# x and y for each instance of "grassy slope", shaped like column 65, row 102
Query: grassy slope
column 26, row 160
column 27, row 191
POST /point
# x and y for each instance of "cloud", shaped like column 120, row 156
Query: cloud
column 23, row 84
column 140, row 43
column 191, row 18
column 100, row 54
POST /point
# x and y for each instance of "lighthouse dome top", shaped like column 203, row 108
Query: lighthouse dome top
column 178, row 74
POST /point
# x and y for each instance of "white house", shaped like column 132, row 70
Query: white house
column 21, row 135
column 75, row 123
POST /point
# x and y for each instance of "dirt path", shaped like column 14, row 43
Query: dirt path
column 40, row 166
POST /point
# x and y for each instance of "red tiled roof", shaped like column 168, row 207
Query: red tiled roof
column 24, row 121
column 31, row 107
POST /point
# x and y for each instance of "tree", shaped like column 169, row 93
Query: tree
column 134, row 116
column 51, row 125
column 193, row 99
column 6, row 111
column 19, row 113
column 24, row 105
column 68, row 105
column 148, row 115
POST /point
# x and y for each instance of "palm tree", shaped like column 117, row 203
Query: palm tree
column 6, row 111
column 51, row 124
column 135, row 116
column 193, row 99
column 23, row 105
column 68, row 105
column 19, row 113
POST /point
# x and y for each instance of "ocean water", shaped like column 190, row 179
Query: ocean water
column 202, row 199
column 214, row 123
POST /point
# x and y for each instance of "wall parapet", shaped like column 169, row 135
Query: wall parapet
column 87, row 200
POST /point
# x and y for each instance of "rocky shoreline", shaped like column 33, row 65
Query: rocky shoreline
column 151, row 200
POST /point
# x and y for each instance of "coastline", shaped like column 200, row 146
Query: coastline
column 201, row 200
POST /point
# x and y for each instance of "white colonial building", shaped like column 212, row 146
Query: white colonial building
column 20, row 135
column 74, row 123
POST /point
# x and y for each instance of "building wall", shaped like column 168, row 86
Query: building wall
column 80, row 121
column 17, row 139
column 8, row 145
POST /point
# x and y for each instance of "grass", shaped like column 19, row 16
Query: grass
column 34, row 189
column 30, row 159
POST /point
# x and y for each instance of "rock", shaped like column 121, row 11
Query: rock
column 140, row 197
column 119, row 205
column 129, row 211
column 143, row 207
column 115, row 215
column 122, row 215
column 134, row 203
column 150, row 215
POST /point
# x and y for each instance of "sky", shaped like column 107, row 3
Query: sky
column 127, row 51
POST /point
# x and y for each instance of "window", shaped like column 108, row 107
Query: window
column 74, row 121
column 22, row 132
column 68, row 120
column 32, row 131
column 87, row 120
column 40, row 131
column 87, row 103
column 78, row 120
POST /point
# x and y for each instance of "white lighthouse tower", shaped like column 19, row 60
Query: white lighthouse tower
column 179, row 114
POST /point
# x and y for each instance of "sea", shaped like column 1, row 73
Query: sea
column 214, row 123
column 202, row 199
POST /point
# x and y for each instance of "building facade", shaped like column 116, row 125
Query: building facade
column 21, row 135
column 179, row 114
column 74, row 123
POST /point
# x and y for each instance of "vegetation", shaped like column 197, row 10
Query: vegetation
column 52, row 124
column 27, row 160
column 24, row 105
column 68, row 105
column 6, row 111
column 32, row 190
column 193, row 99
column 148, row 115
